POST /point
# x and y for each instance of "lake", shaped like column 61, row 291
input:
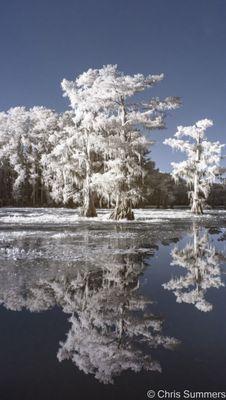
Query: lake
column 110, row 310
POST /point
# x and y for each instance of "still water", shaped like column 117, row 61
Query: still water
column 104, row 310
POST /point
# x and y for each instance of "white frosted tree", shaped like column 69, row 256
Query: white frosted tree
column 201, row 167
column 201, row 262
column 44, row 122
column 62, row 172
column 85, row 139
column 23, row 141
column 15, row 132
column 129, row 120
column 109, row 130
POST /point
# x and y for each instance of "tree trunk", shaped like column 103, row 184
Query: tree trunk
column 88, row 209
column 33, row 194
column 196, row 206
column 123, row 210
column 109, row 201
column 41, row 193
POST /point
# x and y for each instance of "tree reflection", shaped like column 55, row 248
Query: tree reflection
column 112, row 326
column 112, row 329
column 201, row 262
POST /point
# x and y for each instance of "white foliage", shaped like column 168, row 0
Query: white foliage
column 24, row 139
column 201, row 167
column 99, row 146
column 99, row 99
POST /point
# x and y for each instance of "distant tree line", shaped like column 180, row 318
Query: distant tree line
column 159, row 190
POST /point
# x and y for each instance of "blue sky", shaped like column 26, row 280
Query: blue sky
column 45, row 41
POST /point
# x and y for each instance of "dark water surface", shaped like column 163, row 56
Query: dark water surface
column 103, row 310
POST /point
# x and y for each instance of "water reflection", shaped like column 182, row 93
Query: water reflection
column 93, row 274
column 112, row 326
column 112, row 329
column 202, row 266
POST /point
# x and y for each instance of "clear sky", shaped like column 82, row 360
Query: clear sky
column 44, row 41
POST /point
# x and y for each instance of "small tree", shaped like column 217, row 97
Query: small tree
column 201, row 168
